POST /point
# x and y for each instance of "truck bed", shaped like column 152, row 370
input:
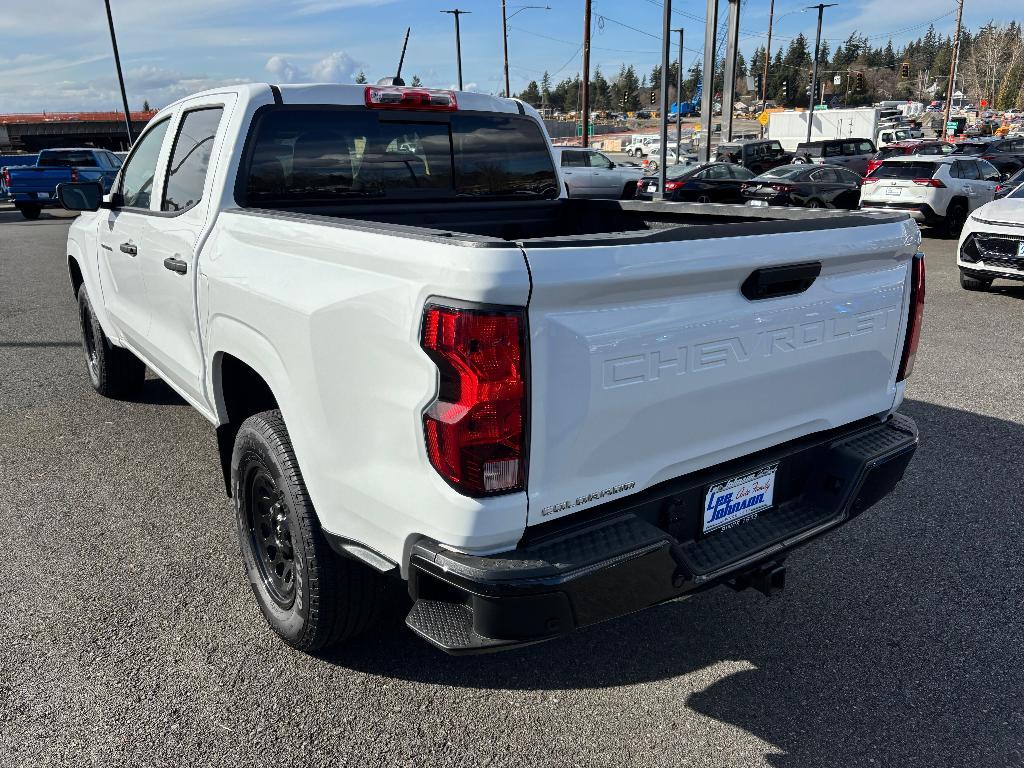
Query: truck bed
column 576, row 222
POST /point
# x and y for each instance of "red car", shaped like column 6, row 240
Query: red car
column 910, row 147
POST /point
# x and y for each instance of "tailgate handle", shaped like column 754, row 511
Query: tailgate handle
column 773, row 282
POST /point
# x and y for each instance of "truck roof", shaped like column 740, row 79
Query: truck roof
column 353, row 94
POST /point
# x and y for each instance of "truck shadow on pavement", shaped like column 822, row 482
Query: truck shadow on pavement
column 897, row 642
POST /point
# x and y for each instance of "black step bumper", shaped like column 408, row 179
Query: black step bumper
column 647, row 549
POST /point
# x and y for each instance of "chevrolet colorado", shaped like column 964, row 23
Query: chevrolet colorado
column 423, row 361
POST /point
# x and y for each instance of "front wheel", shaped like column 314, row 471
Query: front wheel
column 814, row 204
column 956, row 217
column 311, row 597
column 969, row 283
column 113, row 372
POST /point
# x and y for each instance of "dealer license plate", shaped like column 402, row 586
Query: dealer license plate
column 758, row 203
column 738, row 499
column 652, row 187
column 896, row 191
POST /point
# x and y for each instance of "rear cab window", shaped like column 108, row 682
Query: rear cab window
column 67, row 159
column 314, row 155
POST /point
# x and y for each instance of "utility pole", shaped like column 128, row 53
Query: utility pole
column 120, row 77
column 732, row 36
column 504, row 38
column 585, row 85
column 666, row 43
column 814, row 71
column 708, row 94
column 955, row 59
column 458, row 44
column 679, row 93
column 767, row 59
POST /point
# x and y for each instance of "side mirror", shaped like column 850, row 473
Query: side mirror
column 80, row 195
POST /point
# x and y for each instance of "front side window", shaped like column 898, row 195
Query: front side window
column 140, row 169
column 308, row 155
column 988, row 172
column 597, row 160
column 968, row 169
column 190, row 159
column 850, row 148
column 865, row 147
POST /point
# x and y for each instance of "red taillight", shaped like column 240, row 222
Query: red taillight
column 915, row 319
column 780, row 187
column 868, row 180
column 7, row 177
column 393, row 97
column 671, row 185
column 475, row 429
column 929, row 183
column 74, row 174
column 872, row 164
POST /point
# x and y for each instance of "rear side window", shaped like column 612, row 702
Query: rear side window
column 811, row 150
column 66, row 159
column 906, row 171
column 739, row 172
column 574, row 160
column 190, row 159
column 966, row 169
column 309, row 155
column 865, row 147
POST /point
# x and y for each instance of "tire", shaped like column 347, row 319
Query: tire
column 969, row 283
column 703, row 199
column 629, row 190
column 114, row 372
column 652, row 165
column 813, row 203
column 311, row 597
column 29, row 211
column 956, row 217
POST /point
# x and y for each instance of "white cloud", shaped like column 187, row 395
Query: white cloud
column 337, row 67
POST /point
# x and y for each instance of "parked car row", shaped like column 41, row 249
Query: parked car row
column 34, row 187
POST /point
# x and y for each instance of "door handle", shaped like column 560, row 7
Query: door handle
column 128, row 248
column 176, row 265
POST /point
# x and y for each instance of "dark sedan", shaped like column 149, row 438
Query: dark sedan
column 822, row 186
column 705, row 183
column 1005, row 154
column 1003, row 188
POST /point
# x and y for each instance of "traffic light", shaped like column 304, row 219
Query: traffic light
column 859, row 81
column 905, row 70
column 785, row 89
column 654, row 98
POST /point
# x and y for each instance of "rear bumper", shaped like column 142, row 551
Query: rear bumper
column 649, row 549
column 921, row 213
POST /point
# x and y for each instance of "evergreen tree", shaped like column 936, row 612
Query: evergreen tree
column 361, row 77
column 416, row 82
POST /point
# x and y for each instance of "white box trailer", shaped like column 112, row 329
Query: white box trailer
column 790, row 128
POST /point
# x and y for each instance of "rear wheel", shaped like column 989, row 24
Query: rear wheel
column 114, row 372
column 629, row 190
column 969, row 283
column 311, row 597
column 956, row 217
column 703, row 199
column 812, row 203
column 30, row 211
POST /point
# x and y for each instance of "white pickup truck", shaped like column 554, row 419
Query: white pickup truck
column 423, row 361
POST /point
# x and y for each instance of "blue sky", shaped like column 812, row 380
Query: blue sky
column 56, row 55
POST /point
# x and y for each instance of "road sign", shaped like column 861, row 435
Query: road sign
column 763, row 118
column 820, row 107
column 951, row 126
column 837, row 80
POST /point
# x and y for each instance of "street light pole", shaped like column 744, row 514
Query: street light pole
column 585, row 95
column 767, row 59
column 120, row 77
column 666, row 43
column 458, row 41
column 814, row 70
column 504, row 34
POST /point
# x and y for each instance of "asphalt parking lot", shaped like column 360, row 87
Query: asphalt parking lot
column 130, row 636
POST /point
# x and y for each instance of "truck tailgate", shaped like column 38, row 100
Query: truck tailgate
column 647, row 361
column 39, row 181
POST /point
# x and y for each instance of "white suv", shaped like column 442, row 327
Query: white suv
column 992, row 243
column 935, row 190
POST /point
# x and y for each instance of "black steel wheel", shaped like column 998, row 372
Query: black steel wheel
column 113, row 371
column 310, row 596
column 267, row 516
column 956, row 217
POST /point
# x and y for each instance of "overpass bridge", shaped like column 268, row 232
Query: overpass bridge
column 44, row 130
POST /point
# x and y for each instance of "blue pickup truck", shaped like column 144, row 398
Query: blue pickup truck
column 33, row 187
